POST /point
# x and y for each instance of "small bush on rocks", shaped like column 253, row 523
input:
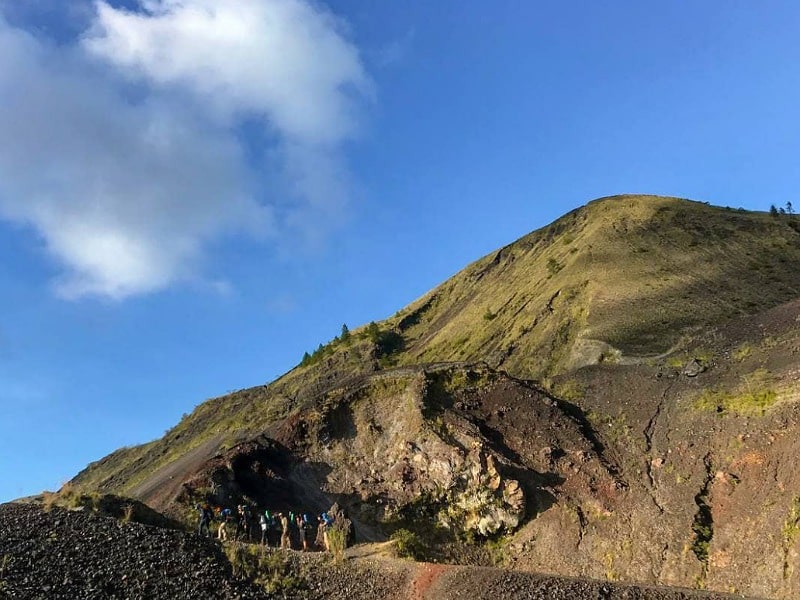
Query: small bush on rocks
column 337, row 541
column 271, row 569
column 408, row 545
column 127, row 513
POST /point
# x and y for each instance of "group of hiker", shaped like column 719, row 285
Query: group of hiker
column 286, row 530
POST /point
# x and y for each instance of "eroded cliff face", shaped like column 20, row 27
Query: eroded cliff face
column 465, row 451
column 473, row 450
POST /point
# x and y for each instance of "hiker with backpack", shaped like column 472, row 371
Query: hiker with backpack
column 222, row 532
column 225, row 517
column 264, row 521
column 242, row 522
column 286, row 543
column 321, row 541
column 326, row 522
column 302, row 529
column 206, row 516
column 292, row 534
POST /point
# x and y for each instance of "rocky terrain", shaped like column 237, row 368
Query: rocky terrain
column 80, row 555
column 68, row 555
column 612, row 396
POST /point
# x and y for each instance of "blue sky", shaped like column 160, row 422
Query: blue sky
column 194, row 193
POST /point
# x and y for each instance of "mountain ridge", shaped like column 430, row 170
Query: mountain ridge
column 656, row 335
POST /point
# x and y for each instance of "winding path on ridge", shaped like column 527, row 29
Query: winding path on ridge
column 430, row 581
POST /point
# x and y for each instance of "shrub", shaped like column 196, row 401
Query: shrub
column 408, row 545
column 49, row 500
column 127, row 513
column 553, row 266
column 271, row 569
column 389, row 342
column 275, row 573
column 373, row 331
column 337, row 541
column 3, row 567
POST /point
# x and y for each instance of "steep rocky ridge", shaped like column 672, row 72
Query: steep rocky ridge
column 658, row 446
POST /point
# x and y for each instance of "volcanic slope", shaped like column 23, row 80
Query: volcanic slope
column 662, row 332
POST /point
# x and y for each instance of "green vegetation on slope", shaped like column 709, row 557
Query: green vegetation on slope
column 621, row 275
column 753, row 397
column 633, row 272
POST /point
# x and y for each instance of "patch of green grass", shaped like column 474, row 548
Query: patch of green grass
column 791, row 526
column 723, row 402
column 742, row 352
column 72, row 496
column 789, row 532
column 754, row 396
column 553, row 266
column 677, row 362
column 769, row 342
column 703, row 355
column 611, row 573
column 569, row 390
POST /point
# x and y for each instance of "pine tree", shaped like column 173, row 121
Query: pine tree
column 345, row 337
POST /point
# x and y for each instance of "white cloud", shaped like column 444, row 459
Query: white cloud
column 127, row 179
column 283, row 60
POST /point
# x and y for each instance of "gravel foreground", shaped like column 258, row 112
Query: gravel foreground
column 399, row 580
column 73, row 555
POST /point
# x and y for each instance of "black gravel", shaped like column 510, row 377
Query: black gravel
column 73, row 555
column 494, row 584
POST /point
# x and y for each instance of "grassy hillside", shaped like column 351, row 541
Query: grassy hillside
column 620, row 277
column 627, row 274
